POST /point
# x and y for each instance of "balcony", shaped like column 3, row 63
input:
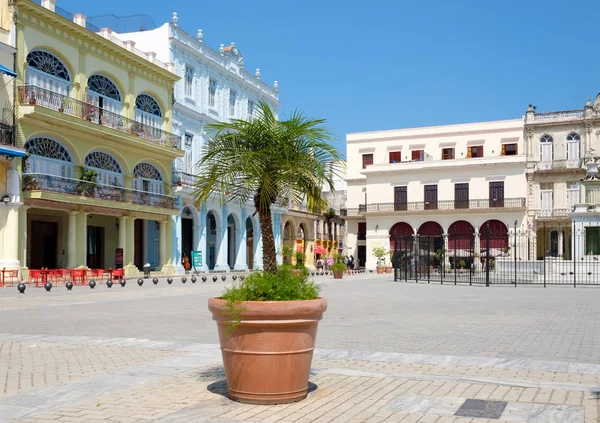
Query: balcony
column 81, row 188
column 550, row 214
column 444, row 205
column 558, row 116
column 7, row 134
column 184, row 179
column 39, row 97
column 558, row 166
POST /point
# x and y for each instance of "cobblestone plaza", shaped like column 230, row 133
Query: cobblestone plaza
column 386, row 352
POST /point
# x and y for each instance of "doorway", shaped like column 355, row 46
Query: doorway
column 138, row 245
column 187, row 237
column 95, row 247
column 44, row 240
column 362, row 255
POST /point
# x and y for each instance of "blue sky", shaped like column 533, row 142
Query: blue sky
column 377, row 64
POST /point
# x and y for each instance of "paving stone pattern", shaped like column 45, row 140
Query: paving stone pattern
column 387, row 352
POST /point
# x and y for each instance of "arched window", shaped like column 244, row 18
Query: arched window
column 148, row 111
column 49, row 157
column 102, row 92
column 546, row 148
column 47, row 71
column 573, row 147
column 147, row 178
column 108, row 168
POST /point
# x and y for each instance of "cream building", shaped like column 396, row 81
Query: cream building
column 95, row 119
column 556, row 143
column 441, row 181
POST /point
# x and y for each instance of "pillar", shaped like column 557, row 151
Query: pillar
column 122, row 243
column 446, row 263
column 309, row 249
column 202, row 234
column 176, row 239
column 9, row 241
column 72, row 239
column 242, row 249
column 81, row 256
column 258, row 248
column 23, row 241
column 477, row 249
column 221, row 261
column 560, row 242
column 130, row 269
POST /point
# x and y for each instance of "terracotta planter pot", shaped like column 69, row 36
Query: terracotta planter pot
column 388, row 269
column 267, row 358
column 338, row 274
column 380, row 269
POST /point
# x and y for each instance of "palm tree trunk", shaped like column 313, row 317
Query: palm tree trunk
column 268, row 241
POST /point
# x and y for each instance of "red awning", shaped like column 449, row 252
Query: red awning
column 319, row 249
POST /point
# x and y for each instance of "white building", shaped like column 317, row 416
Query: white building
column 556, row 143
column 453, row 180
column 214, row 87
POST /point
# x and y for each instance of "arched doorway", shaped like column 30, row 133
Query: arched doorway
column 494, row 234
column 430, row 246
column 402, row 245
column 148, row 111
column 289, row 239
column 212, row 243
column 249, row 244
column 187, row 233
column 104, row 94
column 460, row 236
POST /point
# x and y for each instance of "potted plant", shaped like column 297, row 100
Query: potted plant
column 463, row 264
column 273, row 314
column 63, row 105
column 339, row 267
column 31, row 96
column 299, row 266
column 380, row 253
column 30, row 183
column 88, row 183
column 287, row 252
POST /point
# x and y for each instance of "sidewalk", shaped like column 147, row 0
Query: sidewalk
column 87, row 379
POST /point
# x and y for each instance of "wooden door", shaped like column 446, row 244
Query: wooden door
column 138, row 249
column 461, row 196
column 431, row 197
column 400, row 198
column 496, row 194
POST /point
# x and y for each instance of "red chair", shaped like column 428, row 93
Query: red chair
column 97, row 273
column 118, row 273
column 36, row 277
column 12, row 274
column 78, row 275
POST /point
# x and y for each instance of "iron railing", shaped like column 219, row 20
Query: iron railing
column 410, row 207
column 63, row 185
column 32, row 95
column 488, row 258
column 558, row 165
column 184, row 179
column 552, row 213
column 7, row 134
column 564, row 115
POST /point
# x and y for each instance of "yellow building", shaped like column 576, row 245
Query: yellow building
column 94, row 116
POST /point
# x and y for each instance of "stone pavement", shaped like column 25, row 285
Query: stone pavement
column 418, row 354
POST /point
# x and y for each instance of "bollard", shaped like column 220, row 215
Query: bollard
column 214, row 278
column 48, row 286
column 183, row 280
column 123, row 282
column 92, row 284
column 169, row 281
column 140, row 282
column 223, row 278
column 109, row 283
column 193, row 279
column 204, row 278
column 21, row 287
column 155, row 281
column 69, row 285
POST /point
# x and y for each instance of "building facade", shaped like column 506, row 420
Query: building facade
column 95, row 117
column 450, row 183
column 556, row 144
column 214, row 87
column 10, row 154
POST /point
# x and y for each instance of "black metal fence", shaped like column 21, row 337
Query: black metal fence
column 553, row 256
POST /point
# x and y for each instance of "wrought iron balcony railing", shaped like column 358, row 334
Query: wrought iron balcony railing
column 183, row 178
column 478, row 204
column 32, row 95
column 558, row 165
column 551, row 213
column 7, row 134
column 60, row 184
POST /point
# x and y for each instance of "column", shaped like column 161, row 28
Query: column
column 309, row 248
column 122, row 243
column 477, row 249
column 164, row 255
column 258, row 248
column 202, row 238
column 23, row 240
column 276, row 224
column 176, row 237
column 240, row 236
column 81, row 256
column 130, row 269
column 446, row 263
column 221, row 262
column 560, row 243
column 72, row 239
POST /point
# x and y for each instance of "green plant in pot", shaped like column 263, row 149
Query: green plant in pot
column 88, row 183
column 287, row 252
column 274, row 313
column 380, row 253
column 339, row 267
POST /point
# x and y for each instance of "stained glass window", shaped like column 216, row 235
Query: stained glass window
column 48, row 63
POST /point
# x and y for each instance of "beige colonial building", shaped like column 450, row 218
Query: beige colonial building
column 556, row 144
column 440, row 181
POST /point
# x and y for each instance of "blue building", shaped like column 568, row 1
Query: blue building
column 214, row 87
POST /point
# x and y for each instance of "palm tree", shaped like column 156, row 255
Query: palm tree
column 265, row 159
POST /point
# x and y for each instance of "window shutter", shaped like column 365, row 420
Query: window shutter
column 469, row 152
column 504, row 149
column 480, row 151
